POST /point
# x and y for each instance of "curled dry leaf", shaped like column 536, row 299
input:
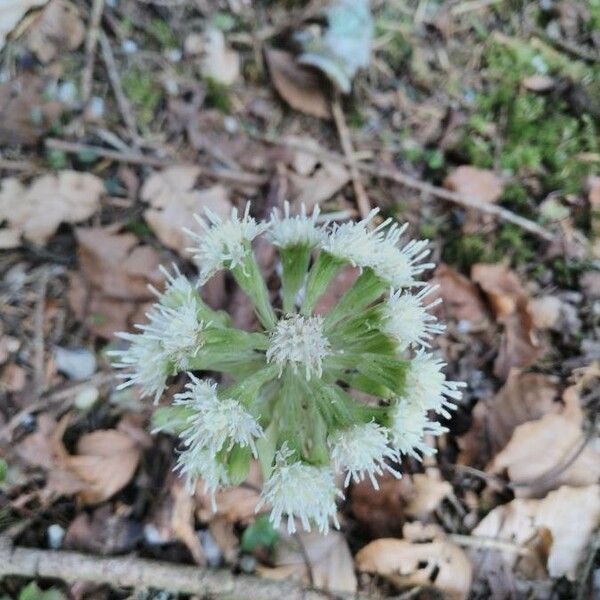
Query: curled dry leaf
column 11, row 12
column 301, row 87
column 519, row 346
column 462, row 301
column 174, row 202
column 428, row 491
column 106, row 461
column 524, row 397
column 327, row 556
column 112, row 283
column 550, row 451
column 58, row 28
column 326, row 181
column 35, row 212
column 439, row 563
column 570, row 514
column 481, row 185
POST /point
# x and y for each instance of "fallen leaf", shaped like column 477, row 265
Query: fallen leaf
column 106, row 460
column 519, row 346
column 429, row 490
column 303, row 162
column 461, row 298
column 326, row 181
column 439, row 563
column 481, row 185
column 524, row 397
column 299, row 86
column 220, row 63
column 345, row 44
column 562, row 456
column 11, row 12
column 328, row 557
column 545, row 311
column 36, row 211
column 571, row 515
column 58, row 28
column 590, row 284
column 174, row 202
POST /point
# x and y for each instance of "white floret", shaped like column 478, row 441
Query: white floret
column 407, row 321
column 301, row 491
column 409, row 427
column 216, row 424
column 362, row 450
column 427, row 385
column 298, row 230
column 299, row 342
column 223, row 243
column 379, row 249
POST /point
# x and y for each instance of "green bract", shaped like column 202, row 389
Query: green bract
column 295, row 397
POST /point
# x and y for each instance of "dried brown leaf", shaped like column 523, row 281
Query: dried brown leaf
column 326, row 181
column 328, row 557
column 551, row 451
column 439, row 563
column 524, row 397
column 58, row 28
column 570, row 515
column 174, row 203
column 36, row 211
column 11, row 12
column 429, row 490
column 220, row 63
column 302, row 88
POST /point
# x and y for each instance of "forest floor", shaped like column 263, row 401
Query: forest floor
column 476, row 121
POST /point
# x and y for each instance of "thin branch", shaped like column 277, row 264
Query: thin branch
column 90, row 49
column 115, row 81
column 362, row 200
column 474, row 541
column 135, row 158
column 416, row 184
column 138, row 573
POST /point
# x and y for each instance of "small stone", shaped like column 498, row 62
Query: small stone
column 544, row 311
column 211, row 548
column 87, row 397
column 248, row 563
column 95, row 109
column 55, row 535
column 193, row 45
column 173, row 54
column 129, row 47
column 77, row 364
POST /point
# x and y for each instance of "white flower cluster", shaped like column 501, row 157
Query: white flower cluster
column 289, row 404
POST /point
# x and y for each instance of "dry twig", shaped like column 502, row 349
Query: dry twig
column 416, row 184
column 362, row 200
column 90, row 49
column 138, row 573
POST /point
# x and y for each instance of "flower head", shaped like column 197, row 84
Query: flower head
column 145, row 362
column 409, row 426
column 299, row 342
column 427, row 385
column 195, row 463
column 299, row 230
column 300, row 490
column 223, row 243
column 216, row 424
column 362, row 450
column 177, row 291
column 378, row 249
column 406, row 318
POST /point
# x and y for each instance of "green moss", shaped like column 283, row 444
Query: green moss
column 536, row 134
column 143, row 92
column 217, row 95
column 464, row 250
column 161, row 32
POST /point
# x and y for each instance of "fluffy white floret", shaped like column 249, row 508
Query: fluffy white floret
column 379, row 249
column 145, row 363
column 196, row 463
column 177, row 330
column 298, row 230
column 362, row 450
column 300, row 491
column 406, row 318
column 216, row 424
column 178, row 289
column 223, row 243
column 299, row 341
column 427, row 385
column 409, row 426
